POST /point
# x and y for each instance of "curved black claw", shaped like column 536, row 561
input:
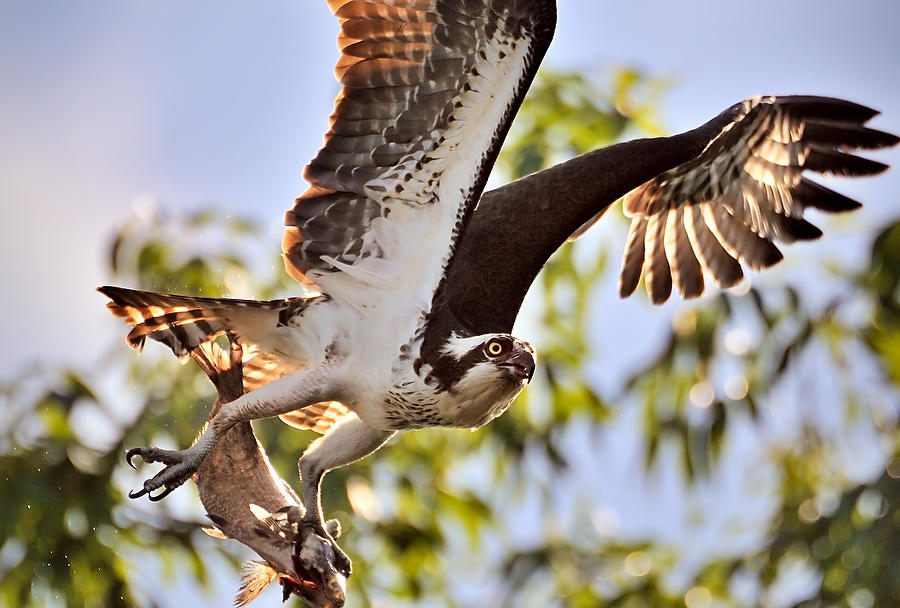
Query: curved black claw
column 342, row 561
column 168, row 457
column 137, row 493
column 153, row 497
column 178, row 470
column 129, row 455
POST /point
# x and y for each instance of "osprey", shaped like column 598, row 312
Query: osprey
column 418, row 278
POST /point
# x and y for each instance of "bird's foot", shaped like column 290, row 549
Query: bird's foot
column 316, row 545
column 180, row 465
column 317, row 558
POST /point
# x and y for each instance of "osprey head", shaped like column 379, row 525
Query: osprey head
column 481, row 375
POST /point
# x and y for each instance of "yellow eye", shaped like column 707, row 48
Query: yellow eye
column 496, row 347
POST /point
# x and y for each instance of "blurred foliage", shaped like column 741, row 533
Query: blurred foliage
column 566, row 115
column 500, row 516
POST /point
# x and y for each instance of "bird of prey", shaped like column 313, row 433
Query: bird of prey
column 418, row 278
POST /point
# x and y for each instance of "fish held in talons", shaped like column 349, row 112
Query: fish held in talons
column 249, row 502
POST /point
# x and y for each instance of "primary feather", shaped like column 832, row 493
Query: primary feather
column 745, row 191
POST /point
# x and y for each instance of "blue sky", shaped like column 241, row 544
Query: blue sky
column 208, row 102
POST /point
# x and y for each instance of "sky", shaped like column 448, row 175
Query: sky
column 106, row 103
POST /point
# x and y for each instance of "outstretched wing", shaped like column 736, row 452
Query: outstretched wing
column 745, row 191
column 737, row 178
column 429, row 88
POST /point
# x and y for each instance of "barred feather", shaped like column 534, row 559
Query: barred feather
column 658, row 275
column 633, row 262
column 318, row 417
column 725, row 270
column 255, row 577
column 184, row 323
column 687, row 274
column 429, row 88
column 746, row 190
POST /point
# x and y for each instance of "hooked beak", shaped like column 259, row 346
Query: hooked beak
column 520, row 365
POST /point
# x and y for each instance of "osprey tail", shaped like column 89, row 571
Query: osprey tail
column 184, row 322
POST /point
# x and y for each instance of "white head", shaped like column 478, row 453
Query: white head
column 481, row 375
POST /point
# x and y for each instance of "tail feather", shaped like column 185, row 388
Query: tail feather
column 188, row 325
column 184, row 322
column 255, row 577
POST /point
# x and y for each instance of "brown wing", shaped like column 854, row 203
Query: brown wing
column 429, row 88
column 491, row 273
column 746, row 190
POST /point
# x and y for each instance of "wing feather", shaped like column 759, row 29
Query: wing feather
column 659, row 276
column 702, row 166
column 633, row 262
column 318, row 417
column 429, row 88
column 687, row 274
column 186, row 324
column 751, row 191
column 725, row 270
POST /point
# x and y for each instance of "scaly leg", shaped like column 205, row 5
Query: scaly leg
column 278, row 397
column 346, row 442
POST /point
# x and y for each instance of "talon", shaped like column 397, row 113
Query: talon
column 339, row 561
column 163, row 494
column 137, row 493
column 342, row 563
column 130, row 454
column 176, row 472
